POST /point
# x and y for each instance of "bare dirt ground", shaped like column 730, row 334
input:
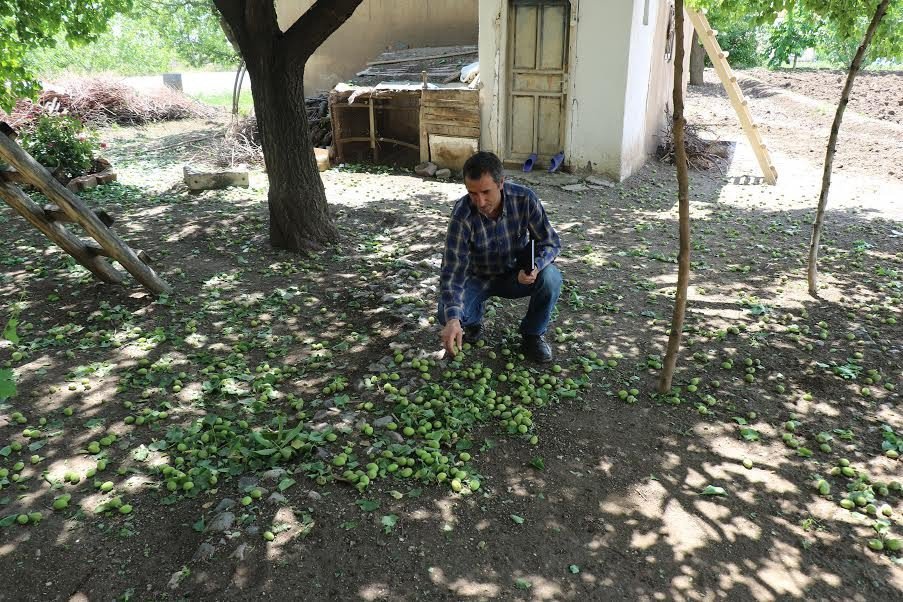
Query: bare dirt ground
column 617, row 498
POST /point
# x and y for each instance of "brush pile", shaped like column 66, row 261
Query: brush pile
column 241, row 143
column 100, row 101
column 702, row 154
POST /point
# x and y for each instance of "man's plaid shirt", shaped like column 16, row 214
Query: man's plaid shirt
column 482, row 248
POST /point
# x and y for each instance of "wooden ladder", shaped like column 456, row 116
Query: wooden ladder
column 738, row 101
column 70, row 208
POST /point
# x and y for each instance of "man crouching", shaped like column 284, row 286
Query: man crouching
column 499, row 244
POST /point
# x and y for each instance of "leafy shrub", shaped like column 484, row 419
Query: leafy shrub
column 62, row 144
column 742, row 43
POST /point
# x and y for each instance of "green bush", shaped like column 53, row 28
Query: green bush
column 742, row 43
column 62, row 144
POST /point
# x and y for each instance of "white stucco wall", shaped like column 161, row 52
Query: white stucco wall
column 376, row 25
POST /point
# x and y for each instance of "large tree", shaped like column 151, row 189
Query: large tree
column 275, row 60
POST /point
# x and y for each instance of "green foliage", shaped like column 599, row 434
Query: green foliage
column 27, row 24
column 793, row 32
column 191, row 29
column 737, row 37
column 129, row 47
column 62, row 142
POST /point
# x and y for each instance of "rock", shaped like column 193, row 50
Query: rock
column 222, row 522
column 204, row 552
column 594, row 181
column 575, row 188
column 197, row 179
column 106, row 176
column 276, row 498
column 383, row 421
column 239, row 552
column 426, row 170
column 443, row 174
column 273, row 474
column 245, row 482
column 225, row 504
column 176, row 579
column 82, row 183
column 253, row 530
column 322, row 156
column 314, row 496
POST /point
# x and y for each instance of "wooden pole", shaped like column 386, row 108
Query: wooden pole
column 832, row 147
column 56, row 232
column 73, row 206
column 683, row 203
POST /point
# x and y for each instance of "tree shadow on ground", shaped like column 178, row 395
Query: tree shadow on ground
column 615, row 509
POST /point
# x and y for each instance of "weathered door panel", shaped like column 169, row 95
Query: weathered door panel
column 538, row 78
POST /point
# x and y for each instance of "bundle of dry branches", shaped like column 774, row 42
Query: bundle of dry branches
column 239, row 146
column 701, row 153
column 101, row 100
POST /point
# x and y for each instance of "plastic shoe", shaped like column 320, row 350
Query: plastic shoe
column 530, row 162
column 556, row 162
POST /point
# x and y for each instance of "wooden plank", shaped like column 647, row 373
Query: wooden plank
column 41, row 179
column 454, row 110
column 432, row 57
column 373, row 146
column 424, row 134
column 455, row 130
column 54, row 213
column 431, row 114
column 451, row 94
column 739, row 103
column 58, row 233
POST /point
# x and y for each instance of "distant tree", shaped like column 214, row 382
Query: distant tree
column 192, row 28
column 793, row 32
column 26, row 24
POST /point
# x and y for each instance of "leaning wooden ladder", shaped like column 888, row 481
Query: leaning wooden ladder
column 738, row 101
column 49, row 220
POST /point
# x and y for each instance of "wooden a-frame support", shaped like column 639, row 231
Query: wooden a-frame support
column 738, row 101
column 71, row 208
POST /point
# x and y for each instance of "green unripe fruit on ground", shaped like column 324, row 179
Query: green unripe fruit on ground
column 823, row 487
column 35, row 517
column 473, row 484
column 843, row 462
column 61, row 502
column 887, row 510
column 268, row 535
column 18, row 466
column 35, row 459
column 408, row 431
column 893, row 545
column 847, row 504
column 246, row 501
column 94, row 447
column 848, row 471
column 331, row 437
column 22, row 519
column 15, row 446
column 106, row 486
column 825, row 448
column 101, row 465
column 892, row 453
column 125, row 509
column 256, row 494
column 747, row 463
column 464, row 456
column 876, row 544
column 456, row 485
column 4, row 472
column 187, row 486
column 67, row 411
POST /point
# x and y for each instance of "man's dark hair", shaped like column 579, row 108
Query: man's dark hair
column 482, row 163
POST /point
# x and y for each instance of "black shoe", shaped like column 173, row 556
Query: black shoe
column 473, row 333
column 536, row 348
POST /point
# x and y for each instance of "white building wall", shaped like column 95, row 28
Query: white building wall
column 376, row 25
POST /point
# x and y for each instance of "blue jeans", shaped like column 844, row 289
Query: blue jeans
column 543, row 295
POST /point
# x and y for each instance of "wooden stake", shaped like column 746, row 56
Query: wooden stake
column 683, row 202
column 832, row 147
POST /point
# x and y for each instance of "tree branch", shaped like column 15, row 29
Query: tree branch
column 233, row 11
column 316, row 25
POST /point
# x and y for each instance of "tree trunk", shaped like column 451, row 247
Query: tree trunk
column 832, row 146
column 299, row 217
column 697, row 60
column 683, row 203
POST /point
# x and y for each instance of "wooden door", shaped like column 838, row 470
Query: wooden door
column 537, row 78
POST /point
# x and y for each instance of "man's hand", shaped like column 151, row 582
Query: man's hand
column 452, row 336
column 525, row 278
